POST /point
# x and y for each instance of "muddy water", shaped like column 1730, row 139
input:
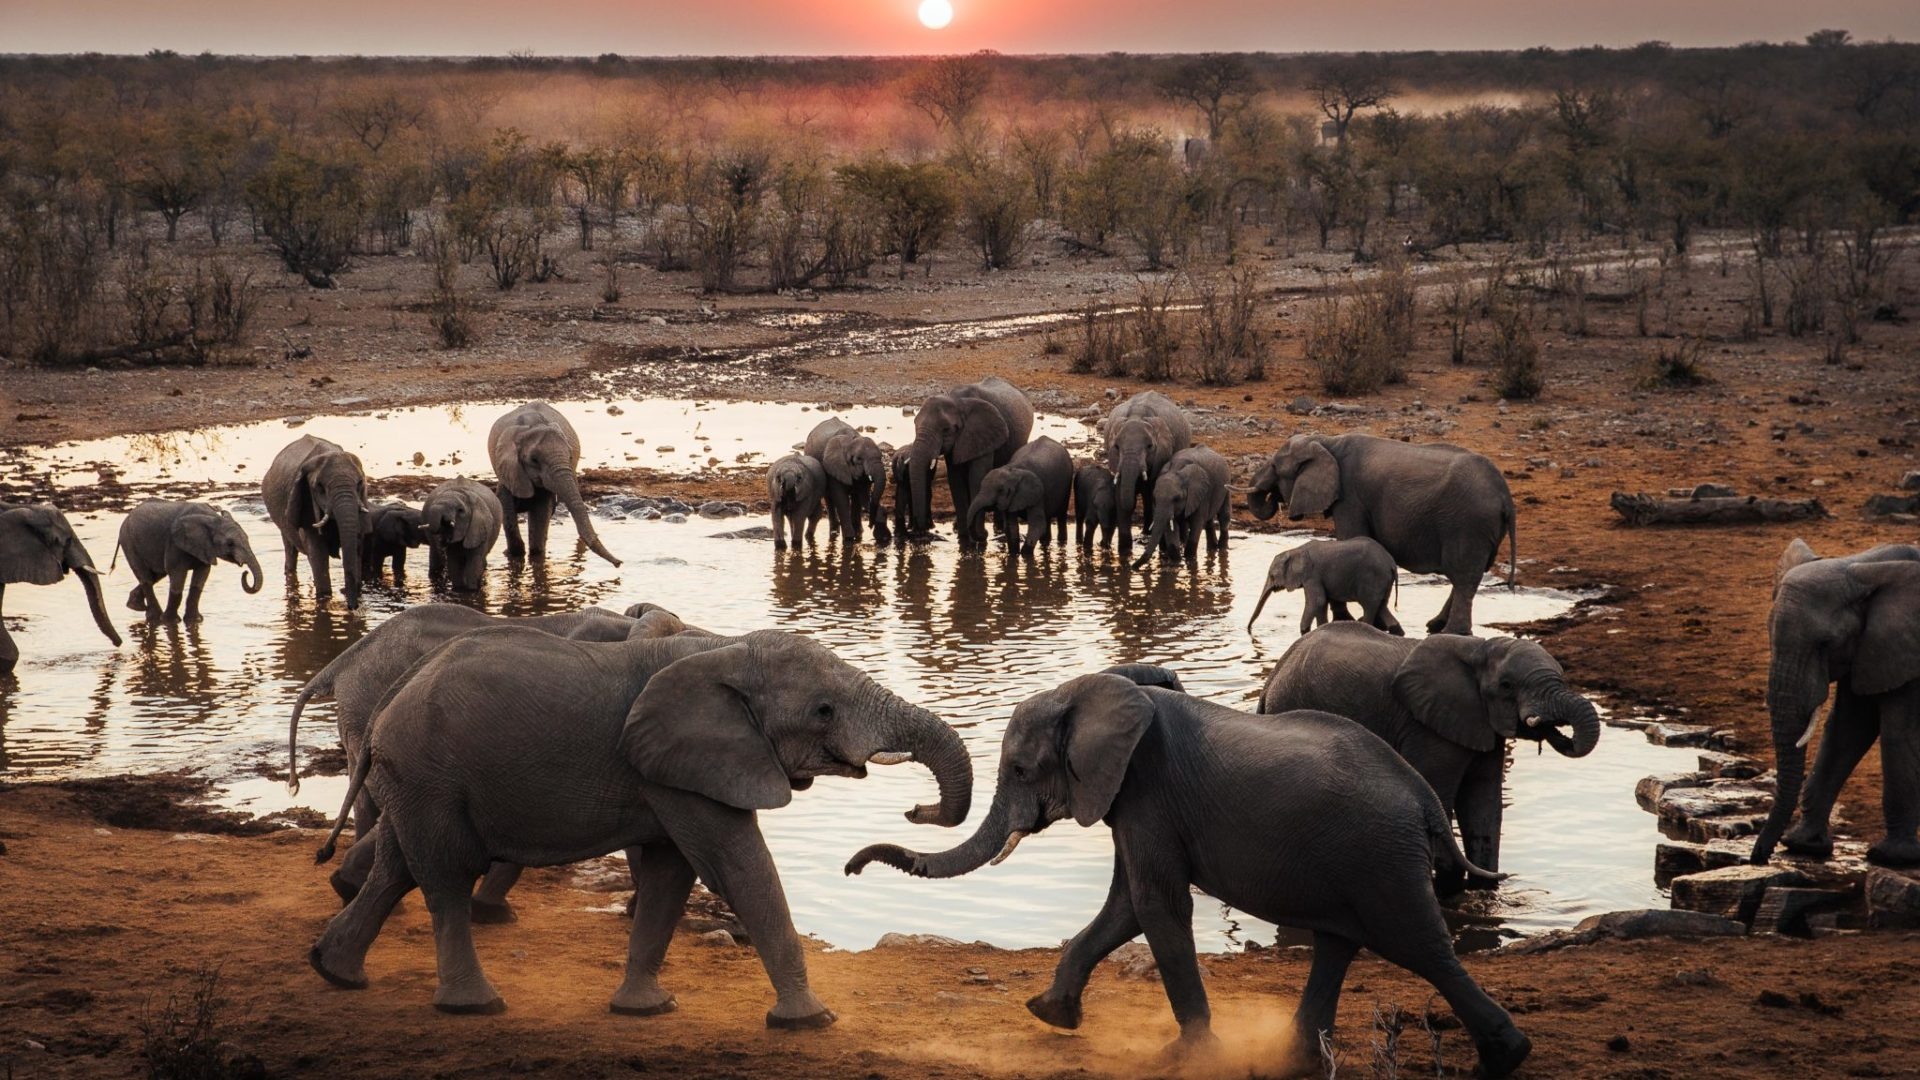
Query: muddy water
column 967, row 636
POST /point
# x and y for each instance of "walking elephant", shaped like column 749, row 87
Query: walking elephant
column 1333, row 572
column 1852, row 624
column 536, row 456
column 975, row 428
column 1191, row 495
column 316, row 493
column 1095, row 506
column 796, row 485
column 393, row 529
column 666, row 746
column 1447, row 704
column 39, row 547
column 1437, row 509
column 461, row 522
column 178, row 540
column 856, row 475
column 1034, row 485
column 1142, row 435
column 1307, row 822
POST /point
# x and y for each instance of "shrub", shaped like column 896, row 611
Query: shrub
column 184, row 1040
column 1358, row 342
column 1517, row 373
column 1230, row 348
column 52, row 264
column 912, row 203
column 1676, row 366
column 1158, row 332
column 311, row 211
column 1102, row 344
column 449, row 313
column 997, row 207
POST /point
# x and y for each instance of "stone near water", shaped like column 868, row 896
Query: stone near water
column 717, row 938
column 915, row 941
column 1676, row 858
column 1893, row 897
column 1631, row 926
column 1651, row 789
column 1679, row 734
column 1732, row 891
column 1135, row 961
column 1725, row 827
column 1911, row 481
column 1721, row 765
column 757, row 532
column 1784, row 909
column 675, row 519
column 1712, row 798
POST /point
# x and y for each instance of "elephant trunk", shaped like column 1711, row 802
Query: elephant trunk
column 1126, row 490
column 877, row 482
column 920, row 485
column 990, row 839
column 1265, row 592
column 930, row 741
column 250, row 574
column 1795, row 690
column 344, row 509
column 96, row 601
column 1155, row 536
column 566, row 486
column 1561, row 706
column 1264, row 500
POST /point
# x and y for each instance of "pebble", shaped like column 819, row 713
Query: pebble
column 716, row 938
column 675, row 519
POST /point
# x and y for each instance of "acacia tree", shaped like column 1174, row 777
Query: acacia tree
column 950, row 89
column 1217, row 84
column 913, row 203
column 311, row 211
column 1344, row 87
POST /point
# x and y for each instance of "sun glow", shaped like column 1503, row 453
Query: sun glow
column 935, row 14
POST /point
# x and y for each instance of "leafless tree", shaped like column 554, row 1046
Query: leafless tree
column 1348, row 85
column 949, row 90
column 375, row 118
column 1215, row 83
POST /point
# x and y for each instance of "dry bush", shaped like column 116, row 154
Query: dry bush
column 52, row 267
column 1359, row 342
column 610, row 280
column 996, row 205
column 1158, row 332
column 311, row 211
column 1676, row 366
column 1805, row 276
column 1230, row 349
column 513, row 242
column 185, row 1039
column 1102, row 344
column 1515, row 355
column 450, row 313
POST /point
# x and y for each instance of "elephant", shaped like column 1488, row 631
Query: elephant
column 393, row 529
column 1143, row 433
column 39, row 547
column 316, row 493
column 1190, row 494
column 902, row 467
column 1034, row 484
column 177, row 539
column 856, row 477
column 515, row 745
column 1437, row 509
column 1333, row 572
column 1305, row 820
column 796, row 484
column 1447, row 704
column 461, row 522
column 1852, row 623
column 1095, row 508
column 976, row 428
column 536, row 455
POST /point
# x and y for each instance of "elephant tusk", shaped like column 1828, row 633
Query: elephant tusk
column 1013, row 841
column 1532, row 721
column 1807, row 735
column 321, row 521
column 890, row 757
column 88, row 570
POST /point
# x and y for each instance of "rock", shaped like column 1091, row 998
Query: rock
column 1887, row 505
column 675, row 519
column 1784, row 909
column 1733, row 891
column 1673, row 858
column 1135, row 960
column 1302, row 406
column 914, row 941
column 1911, row 481
column 348, row 402
column 717, row 509
column 1712, row 798
column 1724, row 766
column 1725, row 827
column 757, row 532
column 1631, row 926
column 1619, row 1044
column 1713, row 491
column 1893, row 897
column 1650, row 789
column 716, row 938
column 1679, row 734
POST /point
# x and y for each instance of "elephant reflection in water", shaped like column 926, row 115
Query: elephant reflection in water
column 312, row 637
column 176, row 665
column 992, row 599
column 1151, row 613
column 837, row 578
column 550, row 586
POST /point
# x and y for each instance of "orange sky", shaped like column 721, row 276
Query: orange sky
column 739, row 27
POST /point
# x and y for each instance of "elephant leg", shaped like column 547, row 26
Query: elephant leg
column 836, row 509
column 1113, row 927
column 813, row 522
column 1478, row 807
column 194, row 589
column 779, row 529
column 1340, row 611
column 149, row 603
column 9, row 652
column 1381, row 618
column 436, row 561
column 463, row 985
column 176, row 585
column 1457, row 616
column 1418, row 941
column 1164, row 907
column 1852, row 727
column 510, row 517
column 1313, row 609
column 341, row 952
column 399, row 567
column 290, row 552
column 1320, row 1000
column 490, row 907
column 1900, row 778
column 1060, row 530
column 661, row 880
column 539, row 516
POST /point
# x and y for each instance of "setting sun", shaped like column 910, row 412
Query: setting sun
column 935, row 14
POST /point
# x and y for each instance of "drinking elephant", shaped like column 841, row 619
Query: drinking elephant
column 1095, row 506
column 975, row 428
column 1437, row 509
column 796, row 484
column 1447, row 704
column 856, row 477
column 39, row 547
column 1852, row 623
column 461, row 522
column 1142, row 435
column 1333, row 572
column 1307, row 821
column 536, row 455
column 317, row 494
column 1190, row 495
column 1033, row 485
column 902, row 467
column 393, row 529
column 176, row 540
column 667, row 746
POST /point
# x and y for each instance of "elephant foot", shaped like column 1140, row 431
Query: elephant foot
column 651, row 1001
column 493, row 1006
column 1061, row 1012
column 1895, row 853
column 803, row 1013
column 1812, row 843
column 488, row 913
column 1192, row 1047
column 1503, row 1053
column 343, row 888
column 357, row 980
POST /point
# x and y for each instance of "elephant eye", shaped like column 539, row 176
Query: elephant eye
column 825, row 711
column 1020, row 772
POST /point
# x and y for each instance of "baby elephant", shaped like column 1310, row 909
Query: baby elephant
column 1095, row 506
column 1034, row 484
column 393, row 528
column 795, row 485
column 175, row 539
column 461, row 521
column 1333, row 572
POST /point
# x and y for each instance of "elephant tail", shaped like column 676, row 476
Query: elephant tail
column 1513, row 549
column 1446, row 847
column 293, row 732
column 362, row 764
column 115, row 561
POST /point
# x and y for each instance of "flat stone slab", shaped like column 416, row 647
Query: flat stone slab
column 1724, row 827
column 1630, row 926
column 1650, row 789
column 1713, row 798
column 1893, row 896
column 1724, row 766
column 1732, row 891
column 1675, row 858
column 1680, row 735
column 1784, row 909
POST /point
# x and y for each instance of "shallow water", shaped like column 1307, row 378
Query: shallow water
column 967, row 636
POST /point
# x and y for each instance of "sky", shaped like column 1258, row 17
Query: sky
column 815, row 27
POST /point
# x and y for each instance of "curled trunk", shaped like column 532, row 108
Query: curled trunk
column 250, row 574
column 1794, row 693
column 1563, row 707
column 986, row 842
column 937, row 746
column 1264, row 501
column 566, row 488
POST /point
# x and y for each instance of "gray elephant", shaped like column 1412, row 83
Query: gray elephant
column 668, row 746
column 1447, row 704
column 178, row 540
column 461, row 523
column 1437, row 509
column 536, row 456
column 1035, row 485
column 1142, row 435
column 1307, row 822
column 856, row 477
column 1191, row 495
column 902, row 468
column 976, row 428
column 317, row 494
column 1852, row 624
column 1334, row 572
column 796, row 485
column 39, row 547
column 1095, row 506
column 393, row 529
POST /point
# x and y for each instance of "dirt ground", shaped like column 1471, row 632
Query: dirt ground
column 99, row 926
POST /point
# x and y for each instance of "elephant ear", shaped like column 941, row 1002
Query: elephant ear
column 1148, row 675
column 982, row 430
column 1439, row 684
column 1888, row 656
column 31, row 548
column 1798, row 553
column 692, row 729
column 1316, row 487
column 513, row 475
column 1106, row 716
column 194, row 535
column 1162, row 435
column 838, row 459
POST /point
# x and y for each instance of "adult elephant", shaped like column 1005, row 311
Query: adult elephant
column 1853, row 624
column 461, row 522
column 976, row 428
column 515, row 745
column 39, row 547
column 536, row 455
column 1190, row 496
column 178, row 540
column 1309, row 822
column 1143, row 433
column 1437, row 509
column 1447, row 704
column 316, row 493
column 856, row 473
